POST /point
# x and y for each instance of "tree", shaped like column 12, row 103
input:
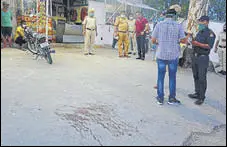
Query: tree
column 197, row 8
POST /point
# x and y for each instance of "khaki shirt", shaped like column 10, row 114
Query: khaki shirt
column 131, row 25
column 222, row 39
column 90, row 22
column 122, row 24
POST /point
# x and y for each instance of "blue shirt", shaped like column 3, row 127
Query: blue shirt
column 168, row 34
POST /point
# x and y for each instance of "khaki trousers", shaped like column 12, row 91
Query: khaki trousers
column 89, row 41
column 222, row 58
column 133, row 45
column 123, row 39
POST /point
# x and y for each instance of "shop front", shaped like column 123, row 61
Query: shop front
column 61, row 20
column 67, row 16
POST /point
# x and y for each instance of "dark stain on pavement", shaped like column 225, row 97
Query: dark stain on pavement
column 83, row 118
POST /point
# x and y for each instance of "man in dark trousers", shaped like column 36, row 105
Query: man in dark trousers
column 6, row 24
column 202, row 45
column 141, row 29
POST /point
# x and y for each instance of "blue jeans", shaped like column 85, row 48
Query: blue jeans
column 172, row 66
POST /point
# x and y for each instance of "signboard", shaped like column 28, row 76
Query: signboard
column 73, row 29
column 58, row 1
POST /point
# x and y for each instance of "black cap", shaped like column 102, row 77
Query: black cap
column 171, row 12
column 204, row 18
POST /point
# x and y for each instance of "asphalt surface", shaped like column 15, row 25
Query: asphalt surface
column 101, row 100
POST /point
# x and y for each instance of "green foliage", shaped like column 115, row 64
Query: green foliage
column 217, row 8
column 163, row 5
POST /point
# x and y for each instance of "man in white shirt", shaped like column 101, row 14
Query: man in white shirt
column 132, row 35
column 220, row 47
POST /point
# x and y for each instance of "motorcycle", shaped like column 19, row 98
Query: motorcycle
column 37, row 45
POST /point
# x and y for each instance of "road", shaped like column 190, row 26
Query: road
column 100, row 100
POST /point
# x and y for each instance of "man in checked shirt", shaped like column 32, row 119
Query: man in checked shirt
column 168, row 35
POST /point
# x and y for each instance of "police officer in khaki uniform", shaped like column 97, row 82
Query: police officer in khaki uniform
column 89, row 31
column 121, row 30
column 220, row 47
column 132, row 33
column 202, row 45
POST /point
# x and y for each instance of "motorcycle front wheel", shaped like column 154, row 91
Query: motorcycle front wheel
column 32, row 48
column 48, row 56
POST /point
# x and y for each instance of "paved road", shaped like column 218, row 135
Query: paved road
column 99, row 100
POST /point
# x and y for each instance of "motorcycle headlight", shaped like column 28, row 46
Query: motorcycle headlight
column 42, row 40
column 34, row 34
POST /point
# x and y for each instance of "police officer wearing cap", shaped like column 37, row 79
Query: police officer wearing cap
column 90, row 32
column 202, row 45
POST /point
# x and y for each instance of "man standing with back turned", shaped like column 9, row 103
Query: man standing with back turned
column 168, row 34
column 202, row 46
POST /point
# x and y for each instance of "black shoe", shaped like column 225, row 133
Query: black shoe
column 224, row 73
column 134, row 54
column 143, row 58
column 160, row 101
column 138, row 58
column 193, row 96
column 220, row 72
column 86, row 54
column 91, row 54
column 129, row 53
column 174, row 101
column 199, row 102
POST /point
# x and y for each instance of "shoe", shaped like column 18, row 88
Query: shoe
column 156, row 87
column 159, row 101
column 91, row 54
column 86, row 54
column 224, row 73
column 193, row 96
column 134, row 54
column 220, row 72
column 129, row 53
column 174, row 101
column 127, row 56
column 143, row 58
column 121, row 56
column 138, row 58
column 199, row 102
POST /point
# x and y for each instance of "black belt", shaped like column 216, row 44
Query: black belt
column 197, row 54
column 222, row 46
column 122, row 31
column 90, row 29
